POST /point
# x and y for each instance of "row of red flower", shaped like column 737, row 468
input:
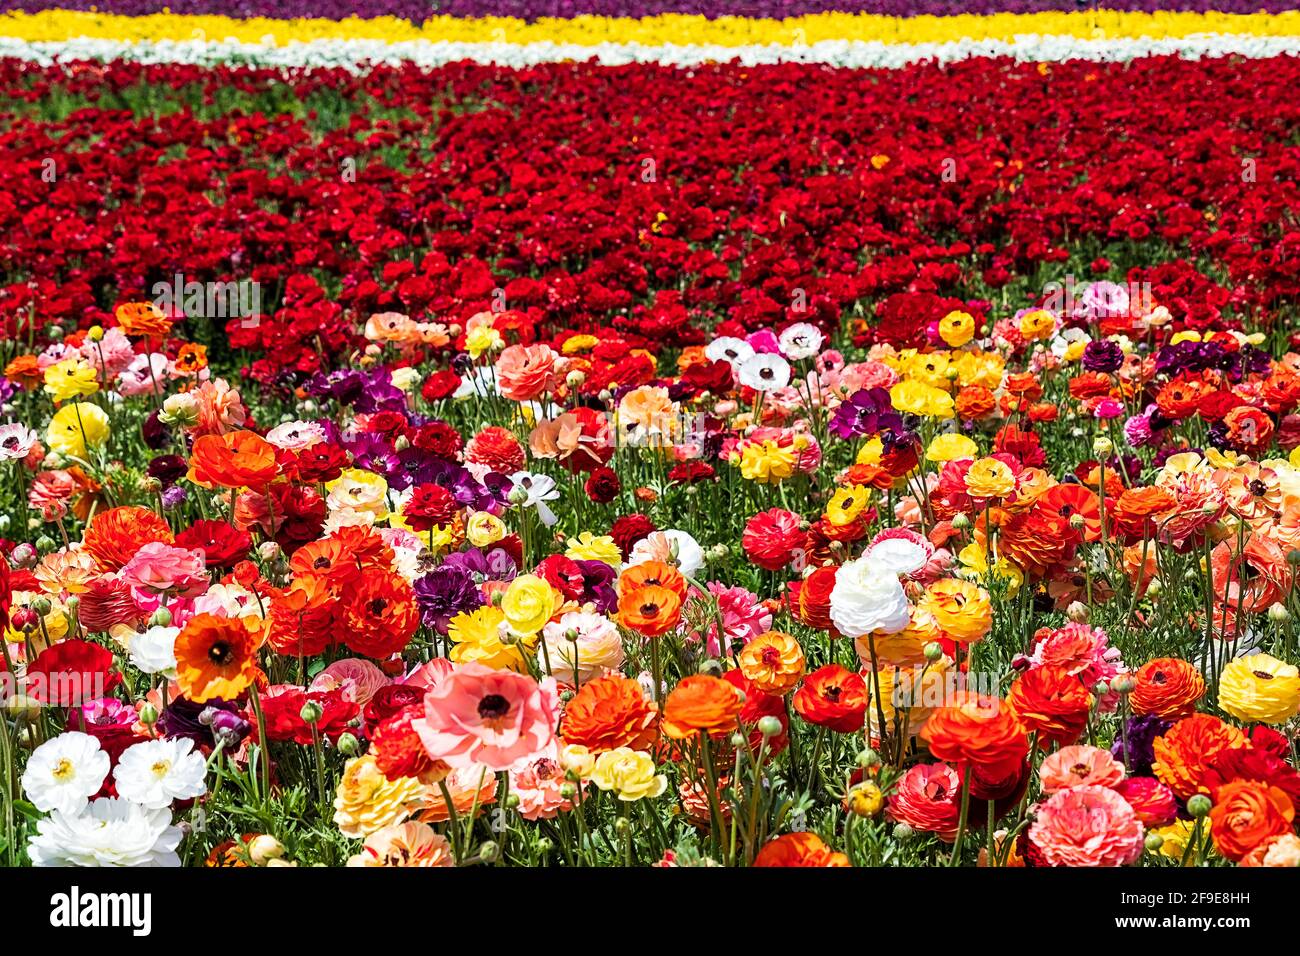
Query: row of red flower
column 645, row 199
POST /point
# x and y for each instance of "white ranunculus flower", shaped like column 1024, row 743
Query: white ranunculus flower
column 598, row 646
column 900, row 556
column 801, row 341
column 156, row 772
column 154, row 651
column 671, row 547
column 65, row 771
column 728, row 348
column 295, row 436
column 764, row 372
column 109, row 832
column 866, row 598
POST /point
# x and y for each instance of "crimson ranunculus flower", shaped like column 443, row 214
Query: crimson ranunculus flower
column 773, row 538
column 223, row 544
column 282, row 712
column 602, row 485
column 71, row 672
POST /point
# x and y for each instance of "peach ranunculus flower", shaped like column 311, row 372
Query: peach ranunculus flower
column 647, row 416
column 524, row 372
column 412, row 843
column 220, row 408
column 367, row 801
column 1276, row 851
column 469, row 787
column 1078, row 766
column 494, row 718
column 1087, row 826
column 538, row 785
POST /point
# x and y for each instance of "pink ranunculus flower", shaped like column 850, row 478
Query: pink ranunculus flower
column 1152, row 801
column 538, row 784
column 494, row 718
column 1079, row 766
column 158, row 568
column 356, row 678
column 744, row 616
column 1087, row 826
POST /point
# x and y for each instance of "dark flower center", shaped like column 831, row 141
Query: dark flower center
column 221, row 654
column 493, row 707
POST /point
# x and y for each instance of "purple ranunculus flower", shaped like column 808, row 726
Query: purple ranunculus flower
column 1139, row 739
column 861, row 414
column 495, row 565
column 1103, row 356
column 445, row 592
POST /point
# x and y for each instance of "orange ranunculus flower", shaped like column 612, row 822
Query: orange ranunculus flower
column 651, row 610
column 1180, row 397
column 1137, row 512
column 1167, row 687
column 304, row 619
column 974, row 401
column 216, row 657
column 1246, row 813
column 799, row 849
column 975, row 729
column 380, row 614
column 773, row 661
column 814, row 603
column 234, row 460
column 1051, row 701
column 25, row 372
column 114, row 536
column 143, row 319
column 1183, row 752
column 610, row 712
column 702, row 703
column 524, row 372
column 653, row 573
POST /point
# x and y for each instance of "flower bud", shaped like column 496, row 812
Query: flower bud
column 1077, row 612
column 1277, row 613
column 148, row 714
column 711, row 667
column 903, row 832
column 348, row 745
column 1123, row 684
column 769, row 726
column 24, row 556
column 512, row 802
column 489, row 852
column 160, row 618
column 866, row 799
column 737, row 740
column 264, row 848
column 868, row 758
column 1199, row 805
column 932, row 651
column 22, row 707
column 960, row 521
column 311, row 712
column 269, row 550
column 1102, row 446
column 95, row 333
column 1154, row 842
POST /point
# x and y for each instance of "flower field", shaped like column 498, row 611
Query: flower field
column 825, row 433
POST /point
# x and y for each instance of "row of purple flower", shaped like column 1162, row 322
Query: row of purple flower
column 419, row 10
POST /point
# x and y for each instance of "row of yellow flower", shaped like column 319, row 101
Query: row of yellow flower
column 61, row 25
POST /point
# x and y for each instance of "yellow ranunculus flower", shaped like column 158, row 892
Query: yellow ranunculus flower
column 590, row 547
column 528, row 604
column 482, row 339
column 1037, row 324
column 963, row 610
column 975, row 561
column 846, row 504
column 951, row 447
column 766, row 462
column 70, row 378
column 957, row 328
column 73, row 427
column 1259, row 688
column 577, row 760
column 484, row 528
column 628, row 773
column 577, row 344
column 477, row 637
column 990, row 478
column 872, row 450
column 921, row 399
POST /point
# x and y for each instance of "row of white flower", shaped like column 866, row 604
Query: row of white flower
column 360, row 54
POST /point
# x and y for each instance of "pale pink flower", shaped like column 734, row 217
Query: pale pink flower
column 220, row 409
column 110, row 355
column 158, row 568
column 1087, row 826
column 1078, row 766
column 357, row 679
column 137, row 379
column 495, row 718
